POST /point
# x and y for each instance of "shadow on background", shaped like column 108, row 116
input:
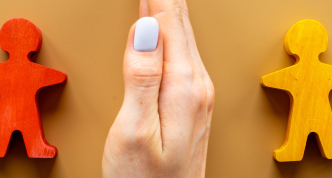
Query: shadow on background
column 49, row 98
column 312, row 158
column 16, row 158
column 280, row 102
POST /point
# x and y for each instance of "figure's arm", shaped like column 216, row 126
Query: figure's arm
column 280, row 79
column 329, row 68
column 52, row 77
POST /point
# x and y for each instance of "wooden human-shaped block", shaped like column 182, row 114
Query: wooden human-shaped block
column 20, row 82
column 308, row 84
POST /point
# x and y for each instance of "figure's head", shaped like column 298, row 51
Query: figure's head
column 306, row 37
column 20, row 36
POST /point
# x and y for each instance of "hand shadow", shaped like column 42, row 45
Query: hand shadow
column 17, row 163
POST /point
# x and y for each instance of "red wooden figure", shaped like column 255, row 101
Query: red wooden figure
column 20, row 82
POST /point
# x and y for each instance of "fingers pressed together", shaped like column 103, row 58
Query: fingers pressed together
column 163, row 126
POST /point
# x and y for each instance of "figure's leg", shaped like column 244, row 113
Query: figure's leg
column 32, row 131
column 5, row 136
column 294, row 145
column 323, row 129
column 323, row 134
column 35, row 142
column 325, row 143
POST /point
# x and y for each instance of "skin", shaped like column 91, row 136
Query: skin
column 163, row 127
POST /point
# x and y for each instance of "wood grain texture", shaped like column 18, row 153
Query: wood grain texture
column 308, row 84
column 20, row 82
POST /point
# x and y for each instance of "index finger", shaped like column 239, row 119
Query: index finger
column 143, row 8
column 169, row 15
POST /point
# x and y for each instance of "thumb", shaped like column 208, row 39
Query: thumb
column 137, row 125
column 143, row 68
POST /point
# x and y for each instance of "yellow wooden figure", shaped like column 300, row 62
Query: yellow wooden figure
column 308, row 84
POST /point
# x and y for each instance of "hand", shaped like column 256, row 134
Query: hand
column 163, row 127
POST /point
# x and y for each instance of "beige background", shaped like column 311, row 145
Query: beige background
column 239, row 42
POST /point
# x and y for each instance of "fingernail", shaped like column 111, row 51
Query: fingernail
column 146, row 34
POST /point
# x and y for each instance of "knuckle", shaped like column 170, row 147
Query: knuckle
column 171, row 10
column 187, row 73
column 140, row 136
column 192, row 86
column 135, row 140
column 199, row 94
column 143, row 74
column 176, row 8
column 210, row 91
column 140, row 139
column 211, row 97
column 176, row 14
column 143, row 68
column 184, row 8
column 173, row 13
column 207, row 131
column 181, row 74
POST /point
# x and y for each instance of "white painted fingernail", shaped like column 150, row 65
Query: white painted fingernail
column 146, row 34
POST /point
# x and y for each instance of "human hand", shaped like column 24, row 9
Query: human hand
column 163, row 127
